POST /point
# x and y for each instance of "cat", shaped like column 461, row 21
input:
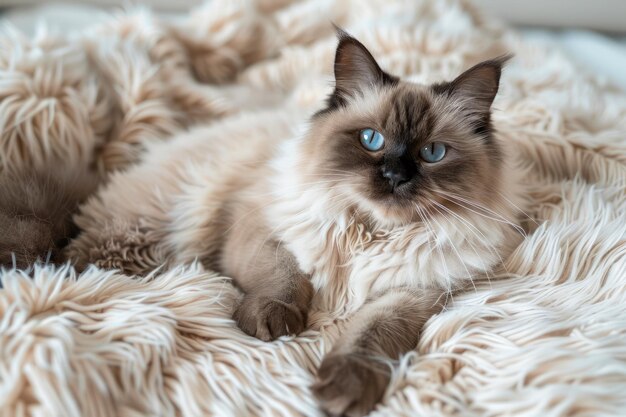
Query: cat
column 36, row 214
column 374, row 209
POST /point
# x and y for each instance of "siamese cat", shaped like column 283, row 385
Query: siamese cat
column 374, row 209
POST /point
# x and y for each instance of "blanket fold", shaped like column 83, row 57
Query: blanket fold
column 546, row 337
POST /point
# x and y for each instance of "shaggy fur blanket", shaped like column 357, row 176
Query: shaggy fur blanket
column 547, row 337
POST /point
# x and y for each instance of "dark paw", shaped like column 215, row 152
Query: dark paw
column 350, row 385
column 269, row 318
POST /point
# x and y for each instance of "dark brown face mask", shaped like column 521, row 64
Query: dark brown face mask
column 404, row 146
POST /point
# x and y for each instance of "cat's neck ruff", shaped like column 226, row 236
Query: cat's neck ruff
column 351, row 256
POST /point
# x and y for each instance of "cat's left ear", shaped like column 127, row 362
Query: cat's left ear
column 356, row 69
column 477, row 87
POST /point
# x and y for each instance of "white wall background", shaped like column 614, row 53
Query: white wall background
column 563, row 24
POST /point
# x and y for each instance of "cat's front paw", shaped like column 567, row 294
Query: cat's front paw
column 269, row 318
column 350, row 384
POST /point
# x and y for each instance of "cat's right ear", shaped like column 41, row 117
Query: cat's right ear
column 356, row 69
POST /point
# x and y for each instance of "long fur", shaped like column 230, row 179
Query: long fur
column 36, row 212
column 543, row 336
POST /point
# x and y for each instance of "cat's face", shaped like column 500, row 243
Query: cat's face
column 399, row 150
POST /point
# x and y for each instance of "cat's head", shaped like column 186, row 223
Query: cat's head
column 400, row 150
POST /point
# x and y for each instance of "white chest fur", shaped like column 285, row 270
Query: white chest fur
column 348, row 262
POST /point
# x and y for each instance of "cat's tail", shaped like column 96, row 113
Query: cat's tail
column 36, row 212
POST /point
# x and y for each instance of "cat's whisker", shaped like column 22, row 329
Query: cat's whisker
column 448, row 294
column 491, row 249
column 469, row 204
column 454, row 248
column 475, row 204
column 423, row 216
column 443, row 293
column 518, row 208
column 430, row 232
column 475, row 231
column 470, row 226
column 440, row 250
column 344, row 199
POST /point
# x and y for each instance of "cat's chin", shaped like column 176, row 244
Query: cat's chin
column 391, row 213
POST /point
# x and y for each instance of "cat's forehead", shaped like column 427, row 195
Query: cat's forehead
column 400, row 104
column 409, row 112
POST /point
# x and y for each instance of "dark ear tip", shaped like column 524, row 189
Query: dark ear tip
column 342, row 35
column 500, row 61
column 495, row 66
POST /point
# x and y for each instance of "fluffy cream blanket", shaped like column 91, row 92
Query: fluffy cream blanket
column 547, row 338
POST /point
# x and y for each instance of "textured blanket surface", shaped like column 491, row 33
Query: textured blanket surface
column 547, row 337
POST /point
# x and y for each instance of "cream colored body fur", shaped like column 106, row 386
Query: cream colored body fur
column 170, row 209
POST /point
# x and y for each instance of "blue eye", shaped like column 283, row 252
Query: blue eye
column 433, row 152
column 371, row 139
